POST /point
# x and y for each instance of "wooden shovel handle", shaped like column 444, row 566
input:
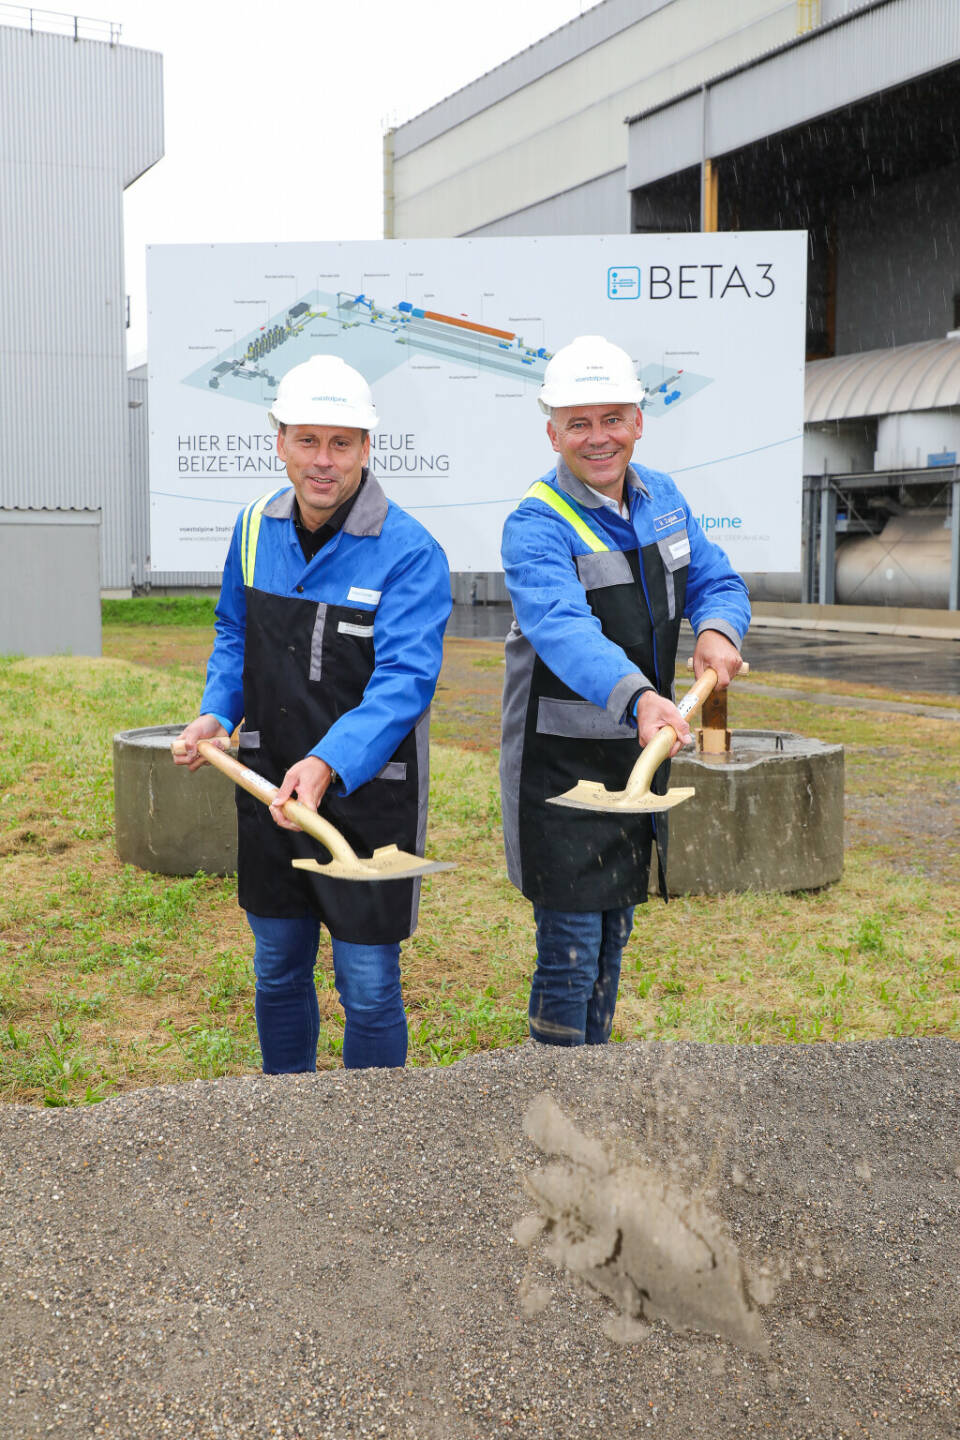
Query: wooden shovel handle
column 657, row 750
column 261, row 789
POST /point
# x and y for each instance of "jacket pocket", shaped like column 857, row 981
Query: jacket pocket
column 579, row 720
column 393, row 770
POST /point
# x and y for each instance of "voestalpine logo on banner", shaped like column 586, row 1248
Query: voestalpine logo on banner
column 692, row 282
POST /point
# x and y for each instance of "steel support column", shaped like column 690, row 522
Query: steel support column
column 809, row 545
column 708, row 174
column 954, row 601
column 828, row 543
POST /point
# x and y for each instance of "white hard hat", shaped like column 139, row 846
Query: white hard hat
column 589, row 371
column 324, row 390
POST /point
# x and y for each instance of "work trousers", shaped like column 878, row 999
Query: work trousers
column 574, row 989
column 367, row 978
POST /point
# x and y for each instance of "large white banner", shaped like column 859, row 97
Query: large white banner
column 454, row 337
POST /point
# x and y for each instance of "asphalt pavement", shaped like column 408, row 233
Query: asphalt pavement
column 894, row 662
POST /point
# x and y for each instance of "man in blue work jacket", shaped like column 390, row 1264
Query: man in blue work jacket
column 602, row 560
column 328, row 646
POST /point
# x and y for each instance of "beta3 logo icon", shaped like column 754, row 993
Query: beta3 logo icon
column 623, row 282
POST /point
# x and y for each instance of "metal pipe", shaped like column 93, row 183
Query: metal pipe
column 389, row 194
column 809, row 546
column 953, row 602
column 828, row 544
column 703, row 157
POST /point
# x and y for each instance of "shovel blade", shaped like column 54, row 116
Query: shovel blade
column 387, row 863
column 591, row 795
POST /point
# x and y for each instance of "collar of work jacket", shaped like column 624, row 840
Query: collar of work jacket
column 366, row 515
column 586, row 497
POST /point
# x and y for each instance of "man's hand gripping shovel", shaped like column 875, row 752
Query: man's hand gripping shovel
column 638, row 798
column 387, row 863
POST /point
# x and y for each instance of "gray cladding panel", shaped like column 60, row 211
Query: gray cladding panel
column 599, row 207
column 138, row 442
column 865, row 52
column 50, row 584
column 563, row 45
column 665, row 142
column 79, row 103
column 78, row 122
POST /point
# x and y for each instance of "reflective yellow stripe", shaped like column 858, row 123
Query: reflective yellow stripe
column 250, row 534
column 540, row 491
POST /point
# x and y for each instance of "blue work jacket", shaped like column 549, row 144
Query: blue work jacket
column 336, row 657
column 540, row 552
column 382, row 564
column 598, row 600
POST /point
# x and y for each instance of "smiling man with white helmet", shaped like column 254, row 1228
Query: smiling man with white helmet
column 328, row 646
column 602, row 560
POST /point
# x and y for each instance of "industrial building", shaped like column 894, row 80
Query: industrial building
column 840, row 117
column 81, row 117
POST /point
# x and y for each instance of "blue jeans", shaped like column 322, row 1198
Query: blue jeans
column 367, row 978
column 574, row 987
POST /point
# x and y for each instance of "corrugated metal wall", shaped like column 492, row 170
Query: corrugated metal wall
column 601, row 207
column 138, row 439
column 79, row 121
column 886, row 44
column 600, row 23
column 551, row 119
column 143, row 575
column 50, row 582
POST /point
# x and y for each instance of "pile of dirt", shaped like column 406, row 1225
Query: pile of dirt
column 510, row 1246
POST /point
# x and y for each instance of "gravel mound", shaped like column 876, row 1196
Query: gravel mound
column 339, row 1255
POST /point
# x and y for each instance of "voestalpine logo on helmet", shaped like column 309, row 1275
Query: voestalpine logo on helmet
column 304, row 396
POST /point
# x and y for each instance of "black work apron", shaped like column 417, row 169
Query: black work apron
column 585, row 860
column 305, row 665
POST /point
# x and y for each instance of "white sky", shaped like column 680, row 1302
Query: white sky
column 275, row 110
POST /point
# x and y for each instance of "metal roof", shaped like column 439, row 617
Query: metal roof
column 924, row 376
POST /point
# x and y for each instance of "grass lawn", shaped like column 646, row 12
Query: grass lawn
column 112, row 978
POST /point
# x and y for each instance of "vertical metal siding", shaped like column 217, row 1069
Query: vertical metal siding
column 666, row 142
column 596, row 25
column 138, row 440
column 565, row 129
column 139, row 449
column 872, row 50
column 78, row 122
column 601, row 207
